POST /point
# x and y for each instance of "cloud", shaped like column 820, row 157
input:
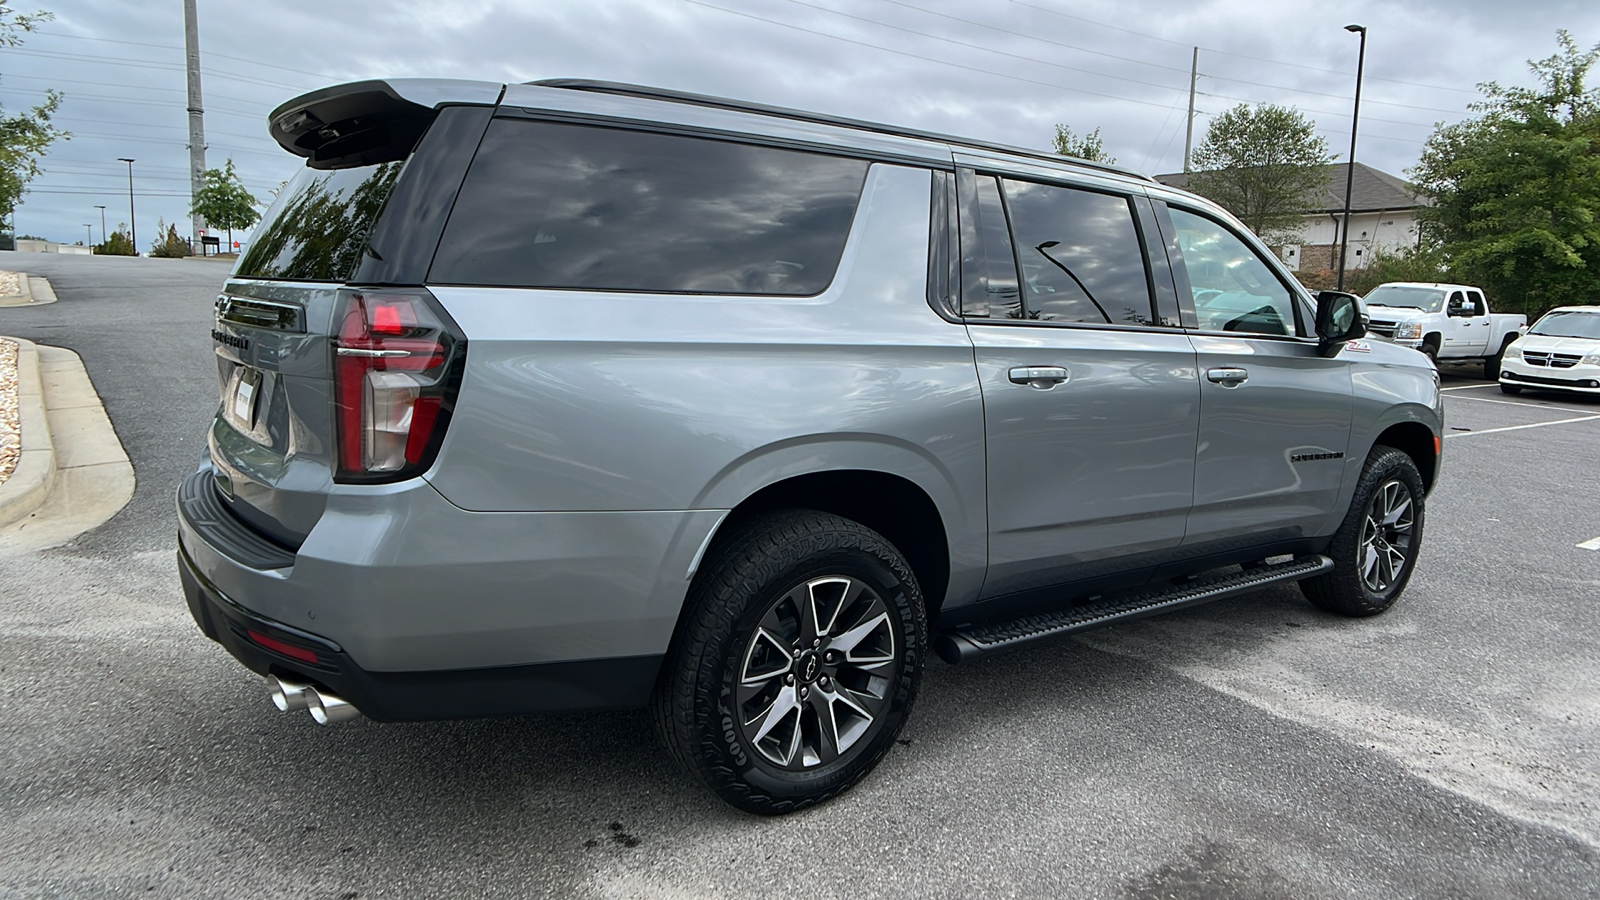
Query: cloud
column 1003, row 71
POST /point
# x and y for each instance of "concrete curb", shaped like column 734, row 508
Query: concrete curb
column 36, row 291
column 87, row 477
column 35, row 473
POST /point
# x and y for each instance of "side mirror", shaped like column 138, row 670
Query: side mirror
column 1469, row 308
column 1338, row 320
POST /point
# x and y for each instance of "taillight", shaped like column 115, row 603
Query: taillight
column 396, row 367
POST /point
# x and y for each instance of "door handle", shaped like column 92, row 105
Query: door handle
column 1227, row 376
column 1041, row 378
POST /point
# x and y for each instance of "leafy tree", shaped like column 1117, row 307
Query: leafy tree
column 1516, row 189
column 117, row 244
column 224, row 201
column 1088, row 146
column 1262, row 164
column 26, row 136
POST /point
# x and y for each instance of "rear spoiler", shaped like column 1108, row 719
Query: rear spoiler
column 368, row 122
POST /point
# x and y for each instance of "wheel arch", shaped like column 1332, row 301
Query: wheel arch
column 1417, row 441
column 892, row 505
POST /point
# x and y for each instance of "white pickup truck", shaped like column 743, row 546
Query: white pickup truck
column 1445, row 321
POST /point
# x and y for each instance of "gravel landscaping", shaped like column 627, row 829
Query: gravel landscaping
column 10, row 283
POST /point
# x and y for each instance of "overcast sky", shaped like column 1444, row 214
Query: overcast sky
column 1003, row 70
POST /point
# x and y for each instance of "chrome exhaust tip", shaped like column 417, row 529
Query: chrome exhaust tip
column 288, row 695
column 329, row 708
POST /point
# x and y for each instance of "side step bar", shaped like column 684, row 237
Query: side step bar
column 969, row 641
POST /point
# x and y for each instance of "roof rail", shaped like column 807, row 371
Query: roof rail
column 652, row 93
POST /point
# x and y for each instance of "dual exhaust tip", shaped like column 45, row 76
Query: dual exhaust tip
column 326, row 707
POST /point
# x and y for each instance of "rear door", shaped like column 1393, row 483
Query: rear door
column 1089, row 387
column 1274, row 414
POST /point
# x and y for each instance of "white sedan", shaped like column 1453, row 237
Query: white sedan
column 1560, row 352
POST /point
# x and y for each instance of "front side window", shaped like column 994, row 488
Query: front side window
column 1080, row 255
column 571, row 206
column 1234, row 290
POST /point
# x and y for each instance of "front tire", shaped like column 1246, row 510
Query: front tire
column 795, row 664
column 1375, row 549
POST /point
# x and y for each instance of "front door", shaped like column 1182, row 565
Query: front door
column 1091, row 403
column 1274, row 414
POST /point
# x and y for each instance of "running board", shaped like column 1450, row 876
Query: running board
column 971, row 641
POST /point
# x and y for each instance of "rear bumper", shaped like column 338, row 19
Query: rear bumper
column 418, row 603
column 403, row 696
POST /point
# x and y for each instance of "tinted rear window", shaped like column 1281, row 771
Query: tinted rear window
column 317, row 228
column 570, row 206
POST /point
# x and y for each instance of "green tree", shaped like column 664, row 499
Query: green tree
column 1262, row 164
column 1516, row 189
column 24, row 137
column 224, row 201
column 118, row 243
column 1088, row 146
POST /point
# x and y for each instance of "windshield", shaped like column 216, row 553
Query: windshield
column 1423, row 298
column 1568, row 324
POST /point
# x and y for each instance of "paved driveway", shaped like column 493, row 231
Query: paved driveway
column 1254, row 748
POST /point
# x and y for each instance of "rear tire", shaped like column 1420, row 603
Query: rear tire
column 1375, row 549
column 1510, row 388
column 795, row 664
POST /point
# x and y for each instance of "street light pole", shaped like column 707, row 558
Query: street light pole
column 102, row 222
column 133, row 230
column 88, row 234
column 1350, row 166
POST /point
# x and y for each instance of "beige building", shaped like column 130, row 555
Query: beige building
column 1382, row 214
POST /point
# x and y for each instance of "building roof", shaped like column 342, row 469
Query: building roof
column 1371, row 190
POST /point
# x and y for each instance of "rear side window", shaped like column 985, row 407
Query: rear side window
column 318, row 226
column 570, row 206
column 1080, row 254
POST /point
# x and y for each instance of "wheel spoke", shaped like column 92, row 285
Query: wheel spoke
column 775, row 664
column 826, row 598
column 850, row 640
column 785, row 706
column 1401, row 508
column 1369, row 560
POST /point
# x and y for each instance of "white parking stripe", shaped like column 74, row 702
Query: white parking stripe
column 1512, row 403
column 1520, row 427
column 1590, row 544
column 1467, row 387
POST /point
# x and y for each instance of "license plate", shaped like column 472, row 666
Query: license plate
column 244, row 397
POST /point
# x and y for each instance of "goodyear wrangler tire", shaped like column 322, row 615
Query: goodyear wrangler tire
column 1375, row 549
column 795, row 664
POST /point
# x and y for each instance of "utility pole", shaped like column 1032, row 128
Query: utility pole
column 197, row 128
column 1188, row 133
column 102, row 222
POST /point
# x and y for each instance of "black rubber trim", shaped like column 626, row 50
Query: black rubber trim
column 973, row 640
column 1542, row 379
column 581, row 685
column 203, row 508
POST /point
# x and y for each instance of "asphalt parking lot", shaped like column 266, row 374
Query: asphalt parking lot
column 1254, row 748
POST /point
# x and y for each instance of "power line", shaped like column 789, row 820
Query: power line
column 936, row 37
column 1276, row 62
column 253, row 62
column 942, row 62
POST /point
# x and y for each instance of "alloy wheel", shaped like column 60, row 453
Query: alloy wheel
column 1387, row 536
column 815, row 677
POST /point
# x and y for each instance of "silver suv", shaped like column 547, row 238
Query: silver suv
column 577, row 395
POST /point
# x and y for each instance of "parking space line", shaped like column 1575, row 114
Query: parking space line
column 1512, row 403
column 1590, row 544
column 1467, row 387
column 1520, row 427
